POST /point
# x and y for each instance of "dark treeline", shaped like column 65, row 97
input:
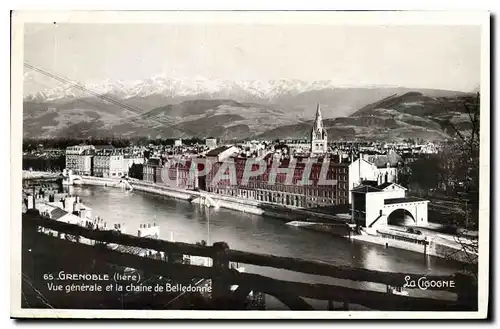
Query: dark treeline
column 136, row 171
column 44, row 164
column 30, row 144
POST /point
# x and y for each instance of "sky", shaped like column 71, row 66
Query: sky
column 440, row 57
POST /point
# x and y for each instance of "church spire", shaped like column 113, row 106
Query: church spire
column 318, row 112
column 319, row 137
column 318, row 122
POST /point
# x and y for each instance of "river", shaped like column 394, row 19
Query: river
column 182, row 221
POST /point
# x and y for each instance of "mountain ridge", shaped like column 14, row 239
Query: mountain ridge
column 184, row 87
column 231, row 113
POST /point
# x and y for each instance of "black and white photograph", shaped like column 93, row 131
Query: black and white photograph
column 210, row 164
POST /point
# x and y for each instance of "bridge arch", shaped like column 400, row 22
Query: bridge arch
column 401, row 217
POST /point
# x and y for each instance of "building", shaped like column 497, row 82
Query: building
column 178, row 142
column 386, row 205
column 211, row 143
column 117, row 165
column 79, row 159
column 101, row 164
column 221, row 153
column 110, row 164
column 180, row 174
column 173, row 173
column 104, row 147
column 152, row 170
column 378, row 168
column 319, row 136
column 303, row 191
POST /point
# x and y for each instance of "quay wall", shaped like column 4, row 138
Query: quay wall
column 434, row 248
column 391, row 243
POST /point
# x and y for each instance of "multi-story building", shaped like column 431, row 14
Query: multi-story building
column 109, row 164
column 116, row 165
column 173, row 173
column 376, row 168
column 152, row 170
column 101, row 163
column 304, row 190
column 79, row 159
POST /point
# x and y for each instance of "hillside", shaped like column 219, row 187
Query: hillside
column 222, row 118
column 410, row 115
column 285, row 113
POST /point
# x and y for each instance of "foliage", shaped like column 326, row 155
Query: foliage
column 453, row 172
column 425, row 172
column 32, row 144
column 56, row 164
column 136, row 171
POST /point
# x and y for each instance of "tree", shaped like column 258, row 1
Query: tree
column 463, row 165
column 424, row 172
column 136, row 171
column 465, row 158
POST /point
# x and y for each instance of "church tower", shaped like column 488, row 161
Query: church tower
column 319, row 136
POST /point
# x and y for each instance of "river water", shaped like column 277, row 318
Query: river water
column 182, row 221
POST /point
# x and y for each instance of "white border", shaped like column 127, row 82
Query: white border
column 480, row 18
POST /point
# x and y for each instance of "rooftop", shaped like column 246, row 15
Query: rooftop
column 218, row 150
column 104, row 147
column 365, row 189
column 403, row 200
column 386, row 185
column 57, row 213
column 372, row 183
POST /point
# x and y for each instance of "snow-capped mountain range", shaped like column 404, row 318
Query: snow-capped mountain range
column 169, row 87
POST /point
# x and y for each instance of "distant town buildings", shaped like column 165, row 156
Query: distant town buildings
column 178, row 142
column 101, row 160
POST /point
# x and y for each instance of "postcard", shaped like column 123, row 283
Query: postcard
column 250, row 165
